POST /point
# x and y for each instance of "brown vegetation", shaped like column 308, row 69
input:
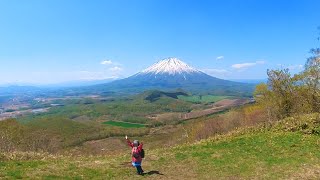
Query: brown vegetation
column 216, row 107
column 55, row 134
column 249, row 115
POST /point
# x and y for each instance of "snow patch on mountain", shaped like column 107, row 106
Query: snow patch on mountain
column 170, row 66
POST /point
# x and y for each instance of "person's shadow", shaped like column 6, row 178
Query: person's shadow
column 152, row 173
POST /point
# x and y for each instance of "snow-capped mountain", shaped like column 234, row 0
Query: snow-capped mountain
column 171, row 74
column 171, row 66
column 168, row 70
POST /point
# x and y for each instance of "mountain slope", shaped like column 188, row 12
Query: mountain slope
column 172, row 73
column 156, row 95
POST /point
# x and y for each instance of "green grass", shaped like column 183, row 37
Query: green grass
column 262, row 155
column 123, row 124
column 203, row 99
column 288, row 149
column 269, row 155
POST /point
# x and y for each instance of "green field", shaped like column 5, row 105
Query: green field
column 124, row 124
column 133, row 109
column 203, row 99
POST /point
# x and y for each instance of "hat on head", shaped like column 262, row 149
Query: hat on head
column 136, row 143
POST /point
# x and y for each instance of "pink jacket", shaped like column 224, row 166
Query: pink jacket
column 135, row 150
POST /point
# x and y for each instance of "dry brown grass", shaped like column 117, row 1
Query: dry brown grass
column 247, row 116
column 306, row 172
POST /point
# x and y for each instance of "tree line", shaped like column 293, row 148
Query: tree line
column 287, row 95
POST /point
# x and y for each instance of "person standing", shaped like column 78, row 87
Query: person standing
column 136, row 154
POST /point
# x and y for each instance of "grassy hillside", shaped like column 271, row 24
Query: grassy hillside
column 288, row 149
column 56, row 134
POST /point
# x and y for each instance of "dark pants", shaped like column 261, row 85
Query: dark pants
column 139, row 170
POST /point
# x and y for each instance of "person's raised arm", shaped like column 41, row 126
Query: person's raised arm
column 129, row 142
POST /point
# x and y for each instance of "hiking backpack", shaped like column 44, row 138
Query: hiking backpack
column 142, row 153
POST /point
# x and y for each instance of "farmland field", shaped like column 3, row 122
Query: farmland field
column 203, row 99
column 124, row 124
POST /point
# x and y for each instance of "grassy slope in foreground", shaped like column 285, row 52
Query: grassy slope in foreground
column 274, row 153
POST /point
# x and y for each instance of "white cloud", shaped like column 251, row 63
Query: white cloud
column 106, row 62
column 243, row 65
column 220, row 58
column 247, row 65
column 115, row 69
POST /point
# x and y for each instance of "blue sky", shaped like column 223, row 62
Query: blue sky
column 51, row 41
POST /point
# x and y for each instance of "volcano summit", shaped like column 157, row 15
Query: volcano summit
column 170, row 66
